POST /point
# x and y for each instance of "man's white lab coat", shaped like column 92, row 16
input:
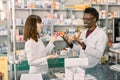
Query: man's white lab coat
column 95, row 46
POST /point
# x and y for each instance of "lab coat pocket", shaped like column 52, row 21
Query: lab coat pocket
column 91, row 41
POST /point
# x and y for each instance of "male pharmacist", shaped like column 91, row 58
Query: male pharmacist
column 91, row 43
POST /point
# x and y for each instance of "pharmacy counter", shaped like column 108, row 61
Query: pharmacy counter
column 109, row 74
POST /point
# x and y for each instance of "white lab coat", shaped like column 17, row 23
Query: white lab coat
column 95, row 46
column 36, row 54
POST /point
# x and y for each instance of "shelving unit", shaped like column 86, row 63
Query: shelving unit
column 60, row 19
column 109, row 10
column 48, row 22
column 4, row 38
column 60, row 15
column 4, row 31
column 68, row 16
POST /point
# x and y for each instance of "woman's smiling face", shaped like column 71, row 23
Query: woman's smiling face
column 39, row 27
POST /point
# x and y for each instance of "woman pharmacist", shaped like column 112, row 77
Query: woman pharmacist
column 92, row 42
column 35, row 50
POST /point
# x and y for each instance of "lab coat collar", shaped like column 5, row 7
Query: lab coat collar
column 93, row 33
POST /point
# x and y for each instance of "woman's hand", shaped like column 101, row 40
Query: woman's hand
column 52, row 56
column 53, row 38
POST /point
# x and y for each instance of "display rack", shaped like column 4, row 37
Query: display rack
column 4, row 31
column 57, row 16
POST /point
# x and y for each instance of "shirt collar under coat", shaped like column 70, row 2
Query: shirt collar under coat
column 93, row 33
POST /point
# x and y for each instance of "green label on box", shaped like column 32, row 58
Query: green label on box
column 22, row 66
column 56, row 63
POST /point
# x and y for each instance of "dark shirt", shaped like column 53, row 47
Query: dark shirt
column 89, row 32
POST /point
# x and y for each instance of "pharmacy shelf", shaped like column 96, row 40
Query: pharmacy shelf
column 22, row 9
column 1, row 54
column 32, row 9
column 102, row 4
column 3, row 36
column 55, row 25
column 67, row 25
column 67, row 10
column 113, row 4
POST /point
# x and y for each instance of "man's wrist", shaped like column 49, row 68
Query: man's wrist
column 84, row 47
column 82, row 44
column 69, row 42
column 66, row 38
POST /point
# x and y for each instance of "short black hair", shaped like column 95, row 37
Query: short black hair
column 93, row 12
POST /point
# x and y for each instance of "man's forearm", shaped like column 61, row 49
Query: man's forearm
column 82, row 44
column 68, row 41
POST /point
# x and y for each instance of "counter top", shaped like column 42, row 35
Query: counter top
column 110, row 74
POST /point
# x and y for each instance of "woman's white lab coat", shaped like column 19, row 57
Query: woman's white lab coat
column 36, row 54
column 95, row 46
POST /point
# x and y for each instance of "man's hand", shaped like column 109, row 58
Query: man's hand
column 80, row 41
column 67, row 39
column 64, row 36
